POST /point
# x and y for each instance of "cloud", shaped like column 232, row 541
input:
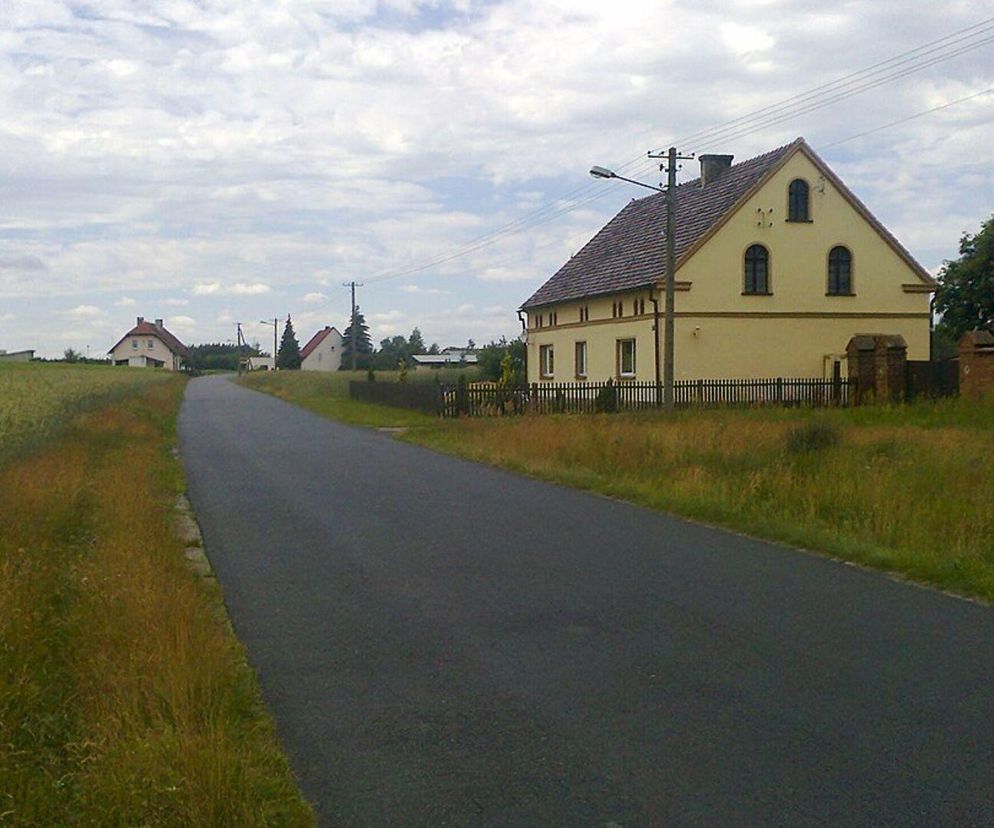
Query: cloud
column 84, row 312
column 236, row 289
column 29, row 263
column 424, row 291
column 389, row 316
column 231, row 156
column 7, row 317
column 180, row 322
column 125, row 302
column 314, row 298
column 177, row 303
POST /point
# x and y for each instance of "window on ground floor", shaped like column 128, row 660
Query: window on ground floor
column 546, row 361
column 626, row 357
column 581, row 360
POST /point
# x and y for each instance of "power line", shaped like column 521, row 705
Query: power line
column 854, row 83
column 815, row 105
column 834, row 86
column 908, row 118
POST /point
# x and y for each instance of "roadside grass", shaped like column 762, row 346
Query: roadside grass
column 902, row 488
column 125, row 698
column 327, row 394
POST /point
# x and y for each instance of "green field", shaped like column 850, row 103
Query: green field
column 124, row 698
column 903, row 488
column 38, row 399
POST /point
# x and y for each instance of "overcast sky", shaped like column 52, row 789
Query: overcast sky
column 233, row 160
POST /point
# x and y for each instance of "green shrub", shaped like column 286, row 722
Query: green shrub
column 607, row 399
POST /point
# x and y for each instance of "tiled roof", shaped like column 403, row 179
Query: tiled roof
column 630, row 250
column 629, row 253
column 145, row 328
column 315, row 340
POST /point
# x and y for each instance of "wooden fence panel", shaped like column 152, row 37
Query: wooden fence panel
column 589, row 397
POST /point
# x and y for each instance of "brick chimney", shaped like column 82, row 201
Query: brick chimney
column 714, row 167
column 158, row 323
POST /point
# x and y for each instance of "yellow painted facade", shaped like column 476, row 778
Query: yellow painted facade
column 795, row 331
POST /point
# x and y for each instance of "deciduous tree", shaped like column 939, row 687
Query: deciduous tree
column 965, row 296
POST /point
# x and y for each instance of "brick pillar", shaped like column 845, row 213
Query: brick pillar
column 877, row 363
column 891, row 356
column 859, row 358
column 976, row 364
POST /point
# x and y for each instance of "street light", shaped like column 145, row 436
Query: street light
column 672, row 157
column 276, row 324
column 604, row 172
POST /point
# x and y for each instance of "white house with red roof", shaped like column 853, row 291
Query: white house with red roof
column 149, row 345
column 323, row 352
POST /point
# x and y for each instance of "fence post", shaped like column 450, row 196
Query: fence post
column 780, row 390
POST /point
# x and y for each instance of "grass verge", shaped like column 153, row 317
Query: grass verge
column 327, row 394
column 125, row 699
column 903, row 488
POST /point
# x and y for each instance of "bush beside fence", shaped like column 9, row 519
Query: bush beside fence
column 425, row 397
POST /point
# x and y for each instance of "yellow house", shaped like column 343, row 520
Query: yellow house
column 778, row 266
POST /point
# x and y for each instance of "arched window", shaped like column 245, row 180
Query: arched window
column 839, row 272
column 797, row 200
column 757, row 269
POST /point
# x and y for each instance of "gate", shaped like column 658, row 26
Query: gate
column 928, row 379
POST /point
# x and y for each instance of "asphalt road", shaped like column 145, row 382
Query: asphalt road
column 442, row 643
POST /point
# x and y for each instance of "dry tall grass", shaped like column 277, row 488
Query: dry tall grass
column 904, row 488
column 125, row 699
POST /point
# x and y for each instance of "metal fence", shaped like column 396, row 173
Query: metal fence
column 490, row 399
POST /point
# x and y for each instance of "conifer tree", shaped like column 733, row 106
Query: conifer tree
column 363, row 343
column 288, row 357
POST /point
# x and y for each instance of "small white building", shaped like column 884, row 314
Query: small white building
column 260, row 363
column 16, row 356
column 323, row 352
column 149, row 345
column 449, row 358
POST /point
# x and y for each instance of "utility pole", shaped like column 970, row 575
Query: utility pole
column 352, row 321
column 672, row 157
column 240, row 339
column 276, row 325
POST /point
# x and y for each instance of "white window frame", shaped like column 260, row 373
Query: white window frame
column 622, row 345
column 134, row 343
column 546, row 361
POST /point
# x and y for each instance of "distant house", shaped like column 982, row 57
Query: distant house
column 323, row 352
column 778, row 266
column 449, row 358
column 16, row 356
column 149, row 345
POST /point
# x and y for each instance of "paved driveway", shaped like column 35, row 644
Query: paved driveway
column 442, row 643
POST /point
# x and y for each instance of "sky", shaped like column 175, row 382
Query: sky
column 236, row 160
